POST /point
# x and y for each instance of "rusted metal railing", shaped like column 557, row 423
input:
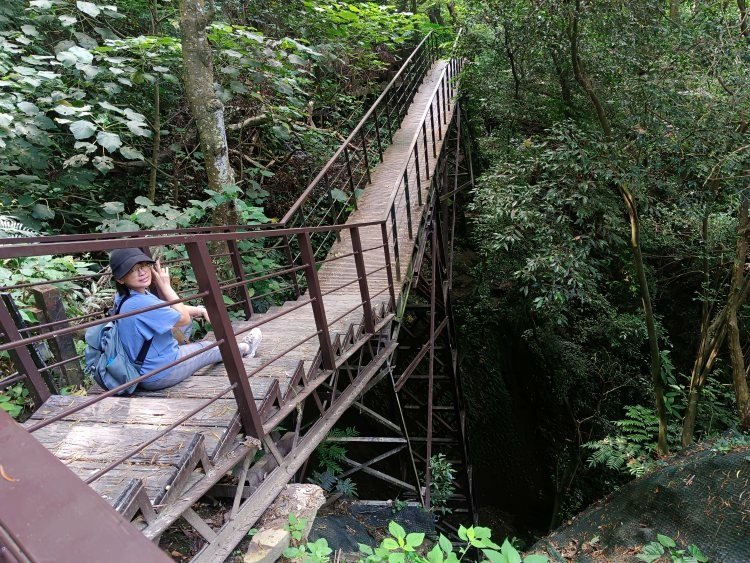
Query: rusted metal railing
column 211, row 292
column 334, row 191
column 295, row 245
column 409, row 193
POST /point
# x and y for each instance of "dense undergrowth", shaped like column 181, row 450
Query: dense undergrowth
column 612, row 139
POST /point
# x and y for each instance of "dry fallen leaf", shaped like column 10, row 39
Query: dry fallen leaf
column 5, row 476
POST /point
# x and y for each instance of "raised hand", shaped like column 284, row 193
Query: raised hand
column 161, row 276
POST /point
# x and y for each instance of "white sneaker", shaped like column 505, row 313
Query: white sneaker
column 253, row 341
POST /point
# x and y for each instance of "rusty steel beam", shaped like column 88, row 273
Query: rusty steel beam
column 205, row 275
column 51, row 515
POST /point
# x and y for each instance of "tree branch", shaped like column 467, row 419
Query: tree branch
column 253, row 121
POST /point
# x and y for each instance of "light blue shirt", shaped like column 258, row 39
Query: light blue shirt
column 156, row 324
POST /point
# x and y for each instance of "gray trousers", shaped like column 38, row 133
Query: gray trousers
column 182, row 371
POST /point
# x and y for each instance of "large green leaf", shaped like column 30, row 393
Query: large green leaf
column 110, row 141
column 113, row 207
column 28, row 108
column 88, row 8
column 82, row 129
column 138, row 128
column 42, row 211
column 131, row 154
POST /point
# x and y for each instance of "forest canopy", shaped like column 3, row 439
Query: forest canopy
column 95, row 122
column 605, row 322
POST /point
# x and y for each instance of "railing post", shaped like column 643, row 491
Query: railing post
column 408, row 203
column 349, row 173
column 395, row 242
column 377, row 133
column 359, row 261
column 290, row 257
column 49, row 300
column 388, row 114
column 331, row 202
column 439, row 118
column 432, row 132
column 419, row 179
column 364, row 153
column 239, row 273
column 319, row 312
column 426, row 154
column 205, row 275
column 445, row 102
column 387, row 258
column 37, row 388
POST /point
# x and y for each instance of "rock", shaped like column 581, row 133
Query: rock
column 267, row 546
column 273, row 536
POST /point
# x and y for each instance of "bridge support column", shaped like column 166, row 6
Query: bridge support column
column 205, row 275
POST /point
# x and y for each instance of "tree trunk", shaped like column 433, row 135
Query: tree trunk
column 156, row 146
column 739, row 377
column 205, row 106
column 708, row 345
column 580, row 74
column 635, row 244
column 563, row 76
column 662, row 446
column 674, row 10
column 453, row 13
column 742, row 7
column 513, row 66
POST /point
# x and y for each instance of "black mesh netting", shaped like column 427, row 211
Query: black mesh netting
column 701, row 497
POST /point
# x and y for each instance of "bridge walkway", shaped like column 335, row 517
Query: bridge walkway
column 163, row 479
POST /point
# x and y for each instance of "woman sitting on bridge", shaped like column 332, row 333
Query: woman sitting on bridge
column 134, row 271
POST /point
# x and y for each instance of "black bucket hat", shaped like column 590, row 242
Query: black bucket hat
column 123, row 259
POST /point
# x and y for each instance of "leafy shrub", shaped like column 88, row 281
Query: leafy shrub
column 633, row 449
column 665, row 545
column 400, row 547
column 441, row 483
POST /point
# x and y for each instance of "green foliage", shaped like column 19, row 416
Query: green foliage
column 296, row 527
column 306, row 552
column 401, row 547
column 441, row 483
column 46, row 268
column 331, row 454
column 633, row 448
column 398, row 505
column 79, row 84
column 11, row 227
column 333, row 484
column 14, row 399
column 311, row 552
column 654, row 550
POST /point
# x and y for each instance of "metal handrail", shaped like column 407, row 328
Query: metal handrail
column 419, row 133
column 209, row 290
column 210, row 287
column 372, row 111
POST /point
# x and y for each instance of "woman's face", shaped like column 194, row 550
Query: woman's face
column 138, row 278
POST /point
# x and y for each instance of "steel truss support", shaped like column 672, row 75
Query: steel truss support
column 426, row 414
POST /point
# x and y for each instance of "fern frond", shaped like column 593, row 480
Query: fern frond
column 11, row 227
column 326, row 480
column 346, row 487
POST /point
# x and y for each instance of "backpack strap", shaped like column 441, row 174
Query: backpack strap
column 144, row 347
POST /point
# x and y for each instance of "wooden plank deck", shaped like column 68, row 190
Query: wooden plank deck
column 94, row 437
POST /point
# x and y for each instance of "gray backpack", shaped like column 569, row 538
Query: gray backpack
column 106, row 360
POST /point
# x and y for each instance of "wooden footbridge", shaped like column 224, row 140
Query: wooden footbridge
column 364, row 258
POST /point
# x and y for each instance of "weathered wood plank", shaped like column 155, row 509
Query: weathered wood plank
column 111, row 485
column 204, row 386
column 103, row 443
column 141, row 410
